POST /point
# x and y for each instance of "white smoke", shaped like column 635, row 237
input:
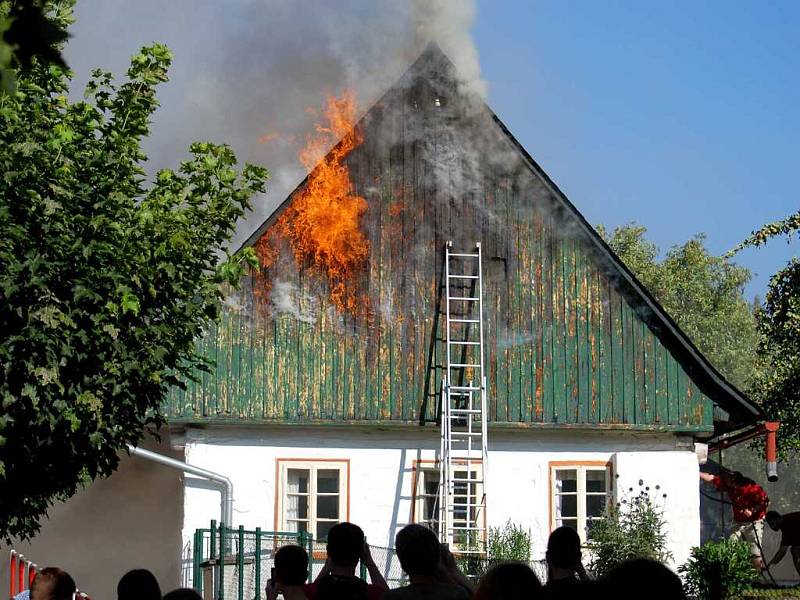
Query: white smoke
column 287, row 298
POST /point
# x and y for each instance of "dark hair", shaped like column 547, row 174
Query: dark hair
column 52, row 583
column 345, row 543
column 564, row 548
column 644, row 578
column 139, row 584
column 183, row 594
column 772, row 515
column 417, row 549
column 337, row 587
column 508, row 581
column 291, row 565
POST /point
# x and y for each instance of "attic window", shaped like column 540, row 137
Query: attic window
column 437, row 102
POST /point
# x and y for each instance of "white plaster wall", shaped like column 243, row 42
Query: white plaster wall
column 381, row 474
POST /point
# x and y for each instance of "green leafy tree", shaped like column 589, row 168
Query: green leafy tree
column 703, row 293
column 106, row 278
column 777, row 388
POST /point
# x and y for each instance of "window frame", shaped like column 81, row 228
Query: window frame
column 420, row 467
column 581, row 466
column 282, row 466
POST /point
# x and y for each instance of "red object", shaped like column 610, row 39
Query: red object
column 31, row 574
column 749, row 499
column 12, row 580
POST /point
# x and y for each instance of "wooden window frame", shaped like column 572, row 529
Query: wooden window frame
column 282, row 465
column 581, row 466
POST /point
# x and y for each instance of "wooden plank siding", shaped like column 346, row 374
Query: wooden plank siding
column 566, row 344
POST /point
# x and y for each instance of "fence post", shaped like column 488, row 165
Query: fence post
column 240, row 557
column 257, row 558
column 222, row 547
column 197, row 550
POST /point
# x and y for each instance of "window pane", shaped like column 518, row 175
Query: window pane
column 323, row 527
column 296, row 507
column 297, row 481
column 297, row 526
column 573, row 523
column 595, row 481
column 431, row 483
column 566, row 480
column 567, row 506
column 328, row 481
column 328, row 507
column 595, row 505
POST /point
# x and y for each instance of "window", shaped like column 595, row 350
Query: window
column 466, row 500
column 312, row 495
column 579, row 494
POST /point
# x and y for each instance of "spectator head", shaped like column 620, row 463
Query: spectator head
column 345, row 543
column 183, row 594
column 508, row 581
column 52, row 584
column 418, row 550
column 139, row 584
column 291, row 565
column 774, row 520
column 564, row 548
column 335, row 587
column 644, row 578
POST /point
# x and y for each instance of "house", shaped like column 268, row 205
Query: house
column 324, row 400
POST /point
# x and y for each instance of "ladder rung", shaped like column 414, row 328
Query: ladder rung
column 464, row 411
column 465, row 320
column 453, row 506
column 465, row 388
column 459, row 343
column 455, row 480
column 463, row 276
column 466, row 433
column 465, row 298
column 463, row 255
column 465, row 365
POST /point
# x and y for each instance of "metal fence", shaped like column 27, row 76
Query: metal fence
column 225, row 563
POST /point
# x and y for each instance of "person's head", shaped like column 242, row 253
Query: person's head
column 418, row 550
column 508, row 581
column 139, row 584
column 563, row 548
column 774, row 520
column 334, row 587
column 644, row 578
column 291, row 565
column 345, row 544
column 183, row 594
column 52, row 583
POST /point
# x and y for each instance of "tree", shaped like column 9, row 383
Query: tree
column 777, row 388
column 702, row 292
column 106, row 279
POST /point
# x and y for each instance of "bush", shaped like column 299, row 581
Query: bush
column 718, row 570
column 509, row 542
column 633, row 528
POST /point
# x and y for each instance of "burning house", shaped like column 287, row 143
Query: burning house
column 336, row 364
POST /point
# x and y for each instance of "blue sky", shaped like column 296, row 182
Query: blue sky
column 683, row 117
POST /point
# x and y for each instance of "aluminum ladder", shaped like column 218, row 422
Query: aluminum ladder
column 463, row 452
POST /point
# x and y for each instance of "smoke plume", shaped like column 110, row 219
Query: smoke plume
column 250, row 72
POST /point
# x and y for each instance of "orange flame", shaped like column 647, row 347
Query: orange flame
column 323, row 222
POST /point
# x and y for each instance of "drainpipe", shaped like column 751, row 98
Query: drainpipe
column 771, row 451
column 226, row 493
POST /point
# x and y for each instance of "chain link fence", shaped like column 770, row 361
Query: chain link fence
column 224, row 563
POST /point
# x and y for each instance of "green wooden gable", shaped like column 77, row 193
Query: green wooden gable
column 571, row 337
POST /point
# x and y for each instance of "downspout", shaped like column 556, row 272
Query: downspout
column 771, row 450
column 226, row 493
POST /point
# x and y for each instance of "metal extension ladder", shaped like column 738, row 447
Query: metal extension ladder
column 463, row 451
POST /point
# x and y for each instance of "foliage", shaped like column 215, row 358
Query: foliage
column 776, row 388
column 718, row 570
column 778, row 593
column 703, row 293
column 106, row 279
column 509, row 542
column 28, row 29
column 633, row 528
